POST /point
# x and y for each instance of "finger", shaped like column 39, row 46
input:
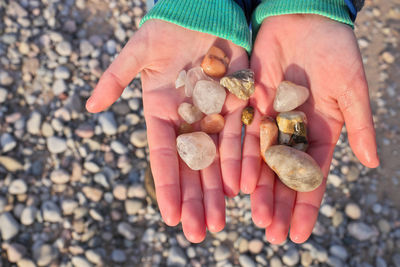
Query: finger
column 251, row 161
column 262, row 199
column 355, row 106
column 230, row 152
column 305, row 213
column 214, row 200
column 165, row 167
column 284, row 198
column 193, row 222
column 118, row 75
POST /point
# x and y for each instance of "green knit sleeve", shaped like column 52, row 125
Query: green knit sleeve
column 333, row 9
column 222, row 18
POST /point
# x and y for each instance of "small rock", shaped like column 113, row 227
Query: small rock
column 291, row 257
column 334, row 262
column 118, row 147
column 92, row 193
column 44, row 254
column 126, row 231
column 292, row 127
column 396, row 260
column 209, row 97
column 353, row 174
column 84, row 130
column 51, row 212
column 132, row 207
column 10, row 164
column 28, row 215
column 93, row 256
column 137, row 191
column 139, row 138
column 180, row 80
column 68, row 206
column 268, row 135
column 295, row 169
column 384, row 226
column 3, row 95
column 246, row 261
column 62, row 72
column 25, row 263
column 380, row 262
column 361, row 231
column 192, row 77
column 248, row 115
column 255, row 246
column 6, row 79
column 120, row 192
column 80, row 262
column 327, row 210
column 15, row 252
column 275, row 262
column 335, row 180
column 59, row 87
column 17, row 187
column 118, row 256
column 56, row 145
column 85, row 48
column 176, row 257
column 91, row 166
column 240, row 83
column 64, row 48
column 196, row 149
column 339, row 251
column 60, row 176
column 108, row 123
column 289, row 96
column 7, row 142
column 212, row 124
column 215, row 62
column 47, row 130
column 148, row 236
column 222, row 253
column 388, row 57
column 353, row 211
column 306, row 258
column 33, row 123
column 189, row 113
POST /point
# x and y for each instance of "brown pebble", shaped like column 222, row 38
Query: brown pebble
column 215, row 63
column 268, row 134
column 185, row 128
column 248, row 115
column 212, row 124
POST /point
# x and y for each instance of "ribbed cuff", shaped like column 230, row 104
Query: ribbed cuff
column 333, row 9
column 222, row 18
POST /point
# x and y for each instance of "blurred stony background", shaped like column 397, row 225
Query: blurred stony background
column 71, row 183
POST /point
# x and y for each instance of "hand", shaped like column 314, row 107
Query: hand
column 322, row 55
column 160, row 50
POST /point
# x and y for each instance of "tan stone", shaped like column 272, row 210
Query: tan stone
column 290, row 96
column 185, row 128
column 189, row 113
column 240, row 83
column 248, row 115
column 268, row 134
column 215, row 63
column 212, row 124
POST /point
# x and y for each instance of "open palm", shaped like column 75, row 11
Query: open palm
column 322, row 55
column 159, row 50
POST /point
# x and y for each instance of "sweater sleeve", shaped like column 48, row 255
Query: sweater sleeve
column 222, row 18
column 333, row 9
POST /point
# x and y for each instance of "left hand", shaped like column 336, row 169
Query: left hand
column 322, row 55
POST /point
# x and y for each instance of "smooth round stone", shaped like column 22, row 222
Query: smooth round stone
column 196, row 149
column 28, row 215
column 51, row 212
column 56, row 145
column 180, row 80
column 59, row 176
column 290, row 96
column 9, row 227
column 353, row 211
column 212, row 124
column 139, row 138
column 17, row 187
column 80, row 262
column 215, row 63
column 268, row 135
column 192, row 77
column 361, row 231
column 209, row 97
column 295, row 169
column 118, row 256
column 189, row 113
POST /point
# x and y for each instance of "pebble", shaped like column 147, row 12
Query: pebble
column 118, row 256
column 334, row 262
column 291, row 257
column 361, row 231
column 59, row 87
column 295, row 169
column 85, row 130
column 380, row 262
column 120, row 192
column 28, row 215
column 192, row 77
column 108, row 123
column 3, row 95
column 335, row 180
column 7, row 142
column 92, row 193
column 384, row 226
column 64, row 48
column 176, row 257
column 240, row 83
column 93, row 256
column 292, row 127
column 60, row 176
column 388, row 57
column 126, row 231
column 15, row 252
column 180, row 80
column 118, row 147
column 68, row 206
column 247, row 115
column 209, row 97
column 6, row 79
column 91, row 166
column 17, row 187
column 306, row 258
column 139, row 138
column 10, row 164
column 78, row 261
column 268, row 134
column 189, row 113
column 3, row 203
column 289, row 96
column 51, row 212
column 396, row 259
column 327, row 210
column 222, row 253
column 136, row 191
column 132, row 206
column 215, row 63
column 56, row 145
column 196, row 149
column 339, row 251
column 62, row 72
column 44, row 254
column 353, row 211
column 275, row 262
column 246, row 261
column 212, row 124
column 255, row 246
column 25, row 263
column 33, row 123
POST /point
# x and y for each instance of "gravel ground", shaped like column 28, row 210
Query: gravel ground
column 72, row 194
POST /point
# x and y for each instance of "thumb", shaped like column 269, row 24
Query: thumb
column 119, row 74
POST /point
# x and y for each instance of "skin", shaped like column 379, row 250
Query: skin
column 159, row 50
column 322, row 55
